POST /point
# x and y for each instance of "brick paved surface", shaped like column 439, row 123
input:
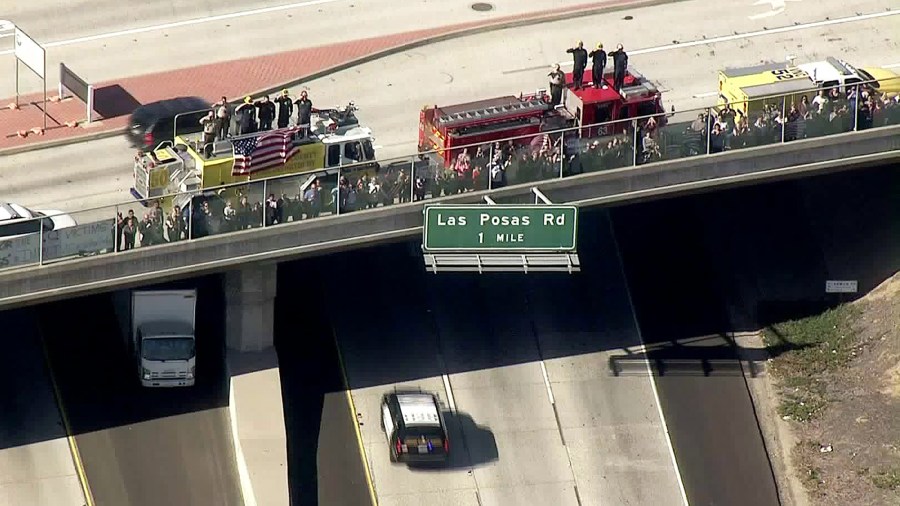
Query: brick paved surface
column 115, row 100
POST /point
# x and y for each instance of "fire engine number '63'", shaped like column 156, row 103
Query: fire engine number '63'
column 500, row 227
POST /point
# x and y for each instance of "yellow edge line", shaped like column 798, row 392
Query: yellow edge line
column 352, row 406
column 70, row 438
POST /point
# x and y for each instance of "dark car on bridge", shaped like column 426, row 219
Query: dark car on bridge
column 414, row 427
column 153, row 123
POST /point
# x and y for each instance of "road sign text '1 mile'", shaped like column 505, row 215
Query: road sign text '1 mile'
column 500, row 228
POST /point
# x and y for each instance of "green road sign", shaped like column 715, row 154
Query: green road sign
column 500, row 228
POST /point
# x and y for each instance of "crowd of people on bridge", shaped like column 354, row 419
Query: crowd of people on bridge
column 717, row 130
column 497, row 164
column 828, row 112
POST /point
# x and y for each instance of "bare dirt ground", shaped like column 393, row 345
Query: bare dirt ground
column 837, row 389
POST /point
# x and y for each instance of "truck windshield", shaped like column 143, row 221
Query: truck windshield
column 170, row 348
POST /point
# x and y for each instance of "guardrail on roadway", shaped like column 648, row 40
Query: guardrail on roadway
column 511, row 161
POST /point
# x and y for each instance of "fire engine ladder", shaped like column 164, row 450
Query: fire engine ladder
column 534, row 104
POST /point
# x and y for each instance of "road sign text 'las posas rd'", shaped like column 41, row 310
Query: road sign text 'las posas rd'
column 499, row 228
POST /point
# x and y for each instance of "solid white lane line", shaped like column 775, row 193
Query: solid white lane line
column 188, row 22
column 637, row 328
column 758, row 33
column 451, row 402
column 547, row 382
column 891, row 66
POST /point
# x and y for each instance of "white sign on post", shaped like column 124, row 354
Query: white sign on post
column 85, row 239
column 30, row 53
column 841, row 286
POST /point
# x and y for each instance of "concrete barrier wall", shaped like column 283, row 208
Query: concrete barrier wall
column 335, row 233
column 256, row 412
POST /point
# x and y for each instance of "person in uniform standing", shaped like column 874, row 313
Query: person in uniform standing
column 285, row 109
column 210, row 126
column 557, row 83
column 304, row 109
column 620, row 63
column 579, row 56
column 223, row 119
column 598, row 60
column 266, row 113
column 246, row 117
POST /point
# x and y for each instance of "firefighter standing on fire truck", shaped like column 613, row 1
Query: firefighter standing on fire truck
column 620, row 63
column 580, row 56
column 598, row 57
column 557, row 83
column 285, row 108
column 304, row 109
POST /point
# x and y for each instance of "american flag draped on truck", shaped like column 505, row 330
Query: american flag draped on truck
column 260, row 152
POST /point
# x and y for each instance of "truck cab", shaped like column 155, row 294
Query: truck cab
column 158, row 328
column 352, row 147
column 593, row 108
column 832, row 73
column 167, row 353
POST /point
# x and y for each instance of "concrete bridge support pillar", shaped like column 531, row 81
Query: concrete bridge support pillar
column 250, row 311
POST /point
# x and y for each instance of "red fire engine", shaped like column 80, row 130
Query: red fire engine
column 443, row 128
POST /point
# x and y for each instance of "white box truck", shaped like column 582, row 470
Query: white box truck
column 158, row 327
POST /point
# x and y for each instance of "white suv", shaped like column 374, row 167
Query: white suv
column 16, row 221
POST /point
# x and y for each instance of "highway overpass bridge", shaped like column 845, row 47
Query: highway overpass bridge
column 250, row 256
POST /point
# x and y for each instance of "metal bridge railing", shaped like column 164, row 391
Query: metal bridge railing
column 629, row 142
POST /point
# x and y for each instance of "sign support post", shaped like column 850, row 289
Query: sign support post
column 69, row 80
column 44, row 77
column 34, row 56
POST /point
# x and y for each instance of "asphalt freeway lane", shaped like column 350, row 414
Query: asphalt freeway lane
column 611, row 423
column 144, row 446
column 493, row 64
column 35, row 462
column 681, row 309
column 507, row 62
column 496, row 377
column 495, row 349
column 107, row 40
column 529, row 358
column 74, row 177
column 386, row 338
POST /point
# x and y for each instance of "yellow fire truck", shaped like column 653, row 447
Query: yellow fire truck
column 187, row 167
column 748, row 89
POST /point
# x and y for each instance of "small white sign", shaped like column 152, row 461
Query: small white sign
column 84, row 239
column 30, row 53
column 841, row 286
